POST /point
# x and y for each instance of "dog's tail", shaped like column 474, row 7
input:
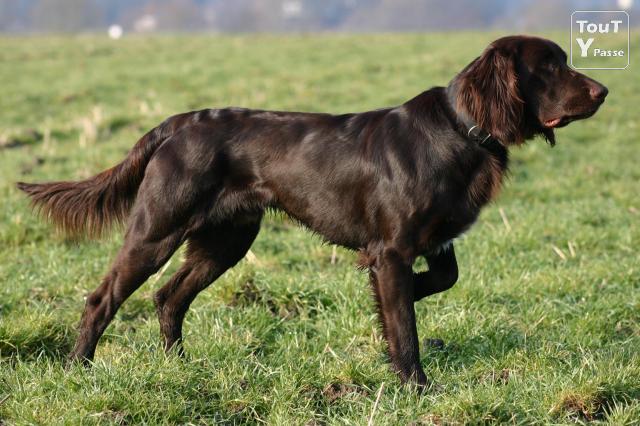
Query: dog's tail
column 91, row 206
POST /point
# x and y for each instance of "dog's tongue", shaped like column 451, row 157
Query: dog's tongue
column 552, row 123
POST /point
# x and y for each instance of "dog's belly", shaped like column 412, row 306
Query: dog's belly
column 337, row 216
column 355, row 216
column 326, row 192
column 337, row 211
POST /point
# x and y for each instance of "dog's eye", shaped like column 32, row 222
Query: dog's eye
column 551, row 66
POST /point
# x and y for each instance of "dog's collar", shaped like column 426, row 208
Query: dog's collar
column 481, row 136
column 470, row 128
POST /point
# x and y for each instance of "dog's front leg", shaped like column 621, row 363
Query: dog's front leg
column 441, row 276
column 392, row 281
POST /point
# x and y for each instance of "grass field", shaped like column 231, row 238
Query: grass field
column 542, row 327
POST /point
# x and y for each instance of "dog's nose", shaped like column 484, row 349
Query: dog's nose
column 598, row 92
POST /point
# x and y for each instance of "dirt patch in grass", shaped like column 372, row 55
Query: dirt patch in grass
column 115, row 416
column 334, row 392
column 432, row 420
column 242, row 412
column 597, row 404
column 289, row 304
column 501, row 377
column 578, row 407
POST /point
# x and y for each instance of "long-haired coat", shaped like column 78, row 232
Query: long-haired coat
column 394, row 184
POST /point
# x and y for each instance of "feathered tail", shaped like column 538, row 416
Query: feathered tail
column 91, row 206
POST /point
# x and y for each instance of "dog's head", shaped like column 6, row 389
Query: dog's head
column 521, row 87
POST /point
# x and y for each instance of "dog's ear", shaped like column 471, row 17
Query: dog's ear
column 488, row 92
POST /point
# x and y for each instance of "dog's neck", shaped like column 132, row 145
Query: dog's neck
column 469, row 128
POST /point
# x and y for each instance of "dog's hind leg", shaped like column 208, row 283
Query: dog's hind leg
column 139, row 258
column 210, row 252
column 158, row 225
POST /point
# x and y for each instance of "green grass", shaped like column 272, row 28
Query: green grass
column 542, row 327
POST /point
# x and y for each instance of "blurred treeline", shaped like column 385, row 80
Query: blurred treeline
column 24, row 16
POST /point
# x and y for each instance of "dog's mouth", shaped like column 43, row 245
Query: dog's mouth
column 554, row 122
column 563, row 120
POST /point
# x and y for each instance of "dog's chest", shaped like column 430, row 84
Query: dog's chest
column 452, row 215
column 484, row 185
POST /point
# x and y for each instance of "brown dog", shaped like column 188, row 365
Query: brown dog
column 395, row 184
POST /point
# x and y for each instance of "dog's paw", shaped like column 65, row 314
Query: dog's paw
column 427, row 387
column 437, row 344
column 74, row 359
